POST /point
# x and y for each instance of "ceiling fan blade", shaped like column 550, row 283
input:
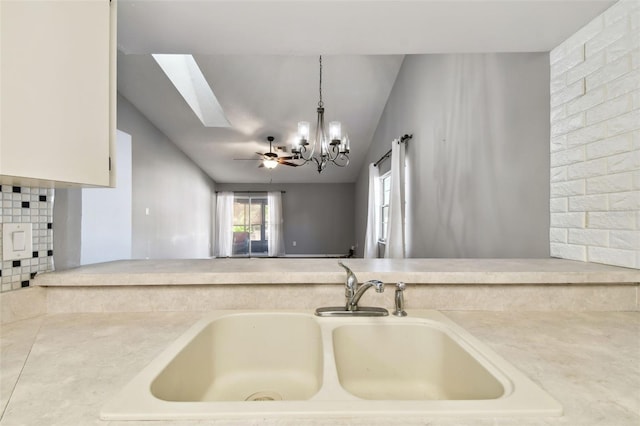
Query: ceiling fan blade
column 286, row 163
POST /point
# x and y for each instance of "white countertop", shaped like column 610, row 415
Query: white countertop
column 60, row 369
column 327, row 271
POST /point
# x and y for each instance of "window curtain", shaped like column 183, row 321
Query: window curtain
column 373, row 215
column 224, row 224
column 396, row 239
column 276, row 224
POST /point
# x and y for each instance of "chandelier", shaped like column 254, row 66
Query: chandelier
column 324, row 149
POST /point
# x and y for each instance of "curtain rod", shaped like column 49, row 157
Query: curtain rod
column 251, row 192
column 403, row 138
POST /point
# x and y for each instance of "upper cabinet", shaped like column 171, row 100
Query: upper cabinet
column 57, row 92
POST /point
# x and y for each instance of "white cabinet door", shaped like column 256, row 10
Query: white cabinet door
column 57, row 91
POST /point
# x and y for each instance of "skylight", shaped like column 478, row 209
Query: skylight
column 184, row 73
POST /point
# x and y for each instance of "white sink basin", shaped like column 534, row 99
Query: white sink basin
column 413, row 362
column 246, row 357
column 253, row 364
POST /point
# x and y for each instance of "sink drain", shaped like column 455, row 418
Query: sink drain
column 264, row 396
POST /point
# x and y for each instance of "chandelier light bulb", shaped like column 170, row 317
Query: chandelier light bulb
column 335, row 133
column 303, row 130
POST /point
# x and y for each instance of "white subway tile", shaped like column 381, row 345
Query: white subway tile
column 610, row 256
column 569, row 93
column 624, row 123
column 626, row 161
column 607, row 36
column 610, row 183
column 624, row 46
column 568, row 220
column 558, row 174
column 558, row 205
column 620, row 10
column 608, row 73
column 558, row 113
column 588, row 203
column 570, row 156
column 588, row 100
column 557, row 84
column 568, row 251
column 621, row 201
column 611, row 220
column 585, row 169
column 558, row 235
column 629, row 240
column 589, row 237
column 568, row 61
column 559, row 143
column 624, row 84
column 567, row 189
column 634, row 17
column 610, row 146
column 609, row 109
column 586, row 68
column 567, row 125
column 587, row 134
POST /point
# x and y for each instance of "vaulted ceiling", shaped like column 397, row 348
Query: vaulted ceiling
column 261, row 59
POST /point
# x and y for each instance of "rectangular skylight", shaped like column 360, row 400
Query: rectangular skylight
column 186, row 76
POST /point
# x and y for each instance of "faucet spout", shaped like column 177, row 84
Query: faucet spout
column 352, row 303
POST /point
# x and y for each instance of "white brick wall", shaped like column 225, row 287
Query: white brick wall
column 595, row 140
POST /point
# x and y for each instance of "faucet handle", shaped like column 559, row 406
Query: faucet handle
column 352, row 281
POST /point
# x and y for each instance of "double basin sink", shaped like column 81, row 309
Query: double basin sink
column 238, row 364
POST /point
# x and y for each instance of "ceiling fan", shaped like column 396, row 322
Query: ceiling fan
column 271, row 159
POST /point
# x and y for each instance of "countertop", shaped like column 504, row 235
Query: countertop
column 59, row 369
column 327, row 271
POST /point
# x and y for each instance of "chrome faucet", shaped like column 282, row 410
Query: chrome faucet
column 352, row 294
column 352, row 302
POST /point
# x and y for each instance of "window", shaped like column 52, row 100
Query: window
column 385, row 188
column 250, row 230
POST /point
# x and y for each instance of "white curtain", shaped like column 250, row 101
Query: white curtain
column 395, row 247
column 373, row 215
column 276, row 224
column 224, row 224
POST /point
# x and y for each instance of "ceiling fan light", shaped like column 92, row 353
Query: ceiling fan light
column 270, row 163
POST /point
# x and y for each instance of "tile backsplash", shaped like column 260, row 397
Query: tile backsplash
column 20, row 204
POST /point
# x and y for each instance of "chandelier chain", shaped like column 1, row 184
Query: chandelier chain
column 320, row 103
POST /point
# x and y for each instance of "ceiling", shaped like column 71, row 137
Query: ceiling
column 261, row 59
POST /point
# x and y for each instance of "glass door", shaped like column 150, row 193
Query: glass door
column 250, row 230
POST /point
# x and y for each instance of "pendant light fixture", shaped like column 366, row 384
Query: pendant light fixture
column 325, row 148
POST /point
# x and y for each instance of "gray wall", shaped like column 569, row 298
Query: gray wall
column 106, row 213
column 67, row 228
column 176, row 192
column 478, row 178
column 319, row 217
